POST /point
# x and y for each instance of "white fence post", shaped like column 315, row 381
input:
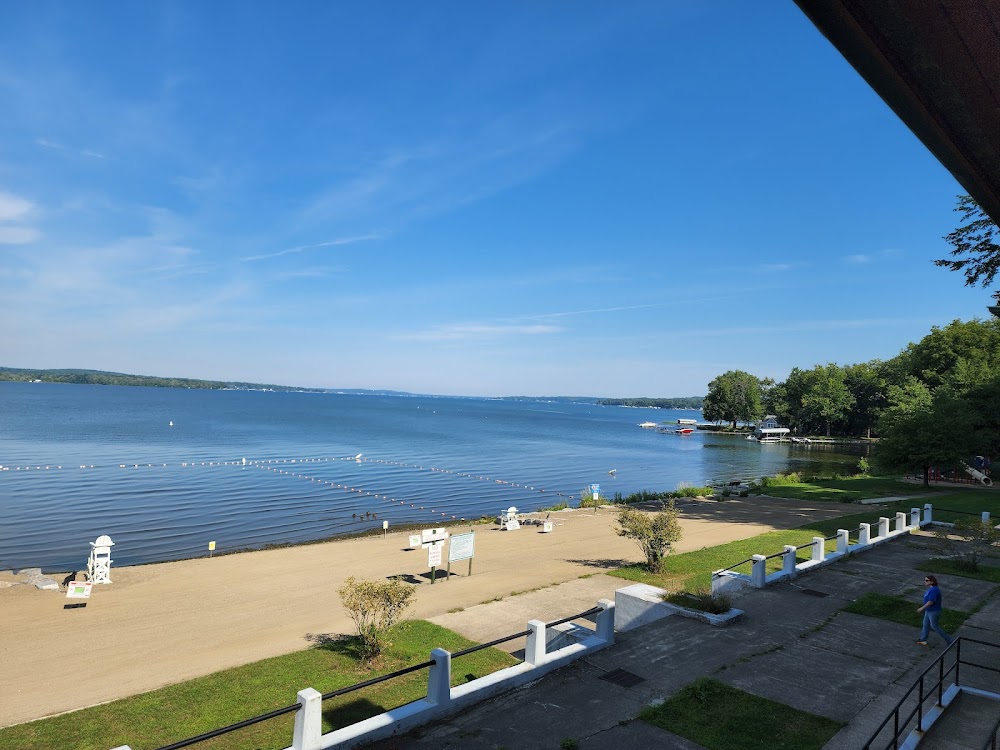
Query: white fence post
column 915, row 517
column 901, row 521
column 843, row 539
column 819, row 549
column 439, row 678
column 308, row 721
column 534, row 649
column 606, row 620
column 865, row 534
column 928, row 514
column 788, row 560
column 986, row 517
column 758, row 573
column 883, row 527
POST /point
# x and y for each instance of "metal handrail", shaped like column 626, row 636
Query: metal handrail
column 993, row 743
column 232, row 727
column 367, row 683
column 938, row 685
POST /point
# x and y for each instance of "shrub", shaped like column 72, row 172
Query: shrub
column 655, row 533
column 864, row 467
column 701, row 600
column 374, row 606
column 969, row 541
column 726, row 492
column 645, row 496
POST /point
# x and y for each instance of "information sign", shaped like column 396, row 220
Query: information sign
column 462, row 547
column 78, row 589
column 595, row 490
column 427, row 536
column 434, row 554
column 512, row 525
column 415, row 541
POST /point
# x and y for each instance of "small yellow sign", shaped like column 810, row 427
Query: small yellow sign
column 211, row 546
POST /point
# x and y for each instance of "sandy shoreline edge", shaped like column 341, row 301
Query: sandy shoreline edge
column 162, row 623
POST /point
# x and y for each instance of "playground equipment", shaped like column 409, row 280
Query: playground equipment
column 976, row 474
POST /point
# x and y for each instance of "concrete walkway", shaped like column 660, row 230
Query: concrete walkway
column 795, row 646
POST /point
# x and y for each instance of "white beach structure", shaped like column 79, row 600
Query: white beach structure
column 99, row 562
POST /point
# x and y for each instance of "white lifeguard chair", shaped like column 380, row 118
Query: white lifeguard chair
column 99, row 562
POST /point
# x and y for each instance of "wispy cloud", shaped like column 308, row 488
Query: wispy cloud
column 472, row 331
column 18, row 235
column 323, row 272
column 304, row 248
column 56, row 146
column 776, row 267
column 858, row 258
column 13, row 207
column 595, row 310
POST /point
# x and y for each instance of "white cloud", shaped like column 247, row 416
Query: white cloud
column 303, row 248
column 473, row 331
column 18, row 235
column 13, row 207
column 775, row 267
column 859, row 258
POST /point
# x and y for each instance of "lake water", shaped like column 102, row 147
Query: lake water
column 251, row 468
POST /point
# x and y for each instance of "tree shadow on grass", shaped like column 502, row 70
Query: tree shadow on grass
column 349, row 646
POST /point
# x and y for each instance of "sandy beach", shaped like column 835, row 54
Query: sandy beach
column 164, row 623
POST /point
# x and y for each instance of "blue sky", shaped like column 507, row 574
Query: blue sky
column 597, row 198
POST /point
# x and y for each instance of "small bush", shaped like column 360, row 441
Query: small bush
column 375, row 606
column 645, row 496
column 655, row 533
column 701, row 600
column 726, row 492
column 744, row 493
column 686, row 490
column 557, row 506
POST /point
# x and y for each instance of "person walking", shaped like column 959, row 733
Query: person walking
column 932, row 611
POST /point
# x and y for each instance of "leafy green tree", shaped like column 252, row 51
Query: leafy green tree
column 734, row 396
column 939, row 356
column 867, row 385
column 826, row 398
column 976, row 253
column 655, row 533
column 922, row 429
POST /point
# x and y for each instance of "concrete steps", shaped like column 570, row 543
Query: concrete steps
column 965, row 724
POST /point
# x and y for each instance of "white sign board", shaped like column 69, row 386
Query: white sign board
column 595, row 490
column 546, row 527
column 434, row 554
column 512, row 525
column 462, row 547
column 385, row 525
column 433, row 535
column 415, row 541
column 78, row 589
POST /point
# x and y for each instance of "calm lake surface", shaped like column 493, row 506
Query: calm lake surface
column 79, row 461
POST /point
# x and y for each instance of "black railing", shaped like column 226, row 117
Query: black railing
column 367, row 683
column 900, row 722
column 993, row 743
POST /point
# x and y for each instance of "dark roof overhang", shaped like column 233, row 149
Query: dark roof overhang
column 936, row 63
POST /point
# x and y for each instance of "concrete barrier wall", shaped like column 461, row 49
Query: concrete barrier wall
column 869, row 537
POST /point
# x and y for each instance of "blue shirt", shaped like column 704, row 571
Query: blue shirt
column 933, row 595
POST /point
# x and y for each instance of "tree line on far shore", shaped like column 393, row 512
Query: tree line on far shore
column 934, row 404
column 684, row 402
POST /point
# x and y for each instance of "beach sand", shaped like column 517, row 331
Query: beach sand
column 165, row 623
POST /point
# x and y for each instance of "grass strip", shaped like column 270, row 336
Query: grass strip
column 692, row 571
column 844, row 489
column 739, row 720
column 176, row 712
column 903, row 611
column 952, row 567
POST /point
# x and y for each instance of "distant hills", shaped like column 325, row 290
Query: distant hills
column 101, row 377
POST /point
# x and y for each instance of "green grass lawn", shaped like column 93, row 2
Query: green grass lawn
column 720, row 717
column 846, row 490
column 902, row 611
column 986, row 572
column 173, row 713
column 692, row 571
